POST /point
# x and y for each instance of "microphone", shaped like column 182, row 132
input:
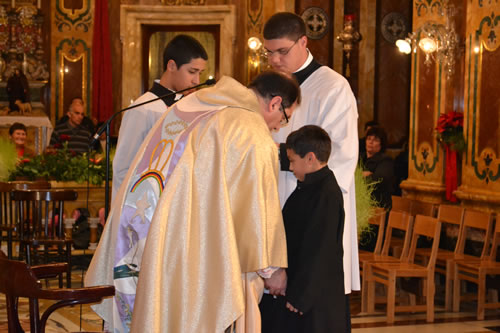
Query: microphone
column 96, row 136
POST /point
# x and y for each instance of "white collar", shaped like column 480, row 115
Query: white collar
column 307, row 62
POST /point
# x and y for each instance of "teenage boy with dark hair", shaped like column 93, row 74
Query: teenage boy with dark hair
column 328, row 102
column 184, row 59
column 314, row 300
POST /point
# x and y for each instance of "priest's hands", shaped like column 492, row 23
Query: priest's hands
column 291, row 308
column 277, row 282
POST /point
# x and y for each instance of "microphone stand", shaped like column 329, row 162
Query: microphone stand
column 106, row 128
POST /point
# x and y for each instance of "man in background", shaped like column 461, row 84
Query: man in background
column 72, row 131
column 184, row 59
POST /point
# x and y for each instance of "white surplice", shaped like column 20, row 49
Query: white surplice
column 328, row 102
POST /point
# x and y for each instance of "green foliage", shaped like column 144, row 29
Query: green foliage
column 365, row 202
column 8, row 158
column 63, row 165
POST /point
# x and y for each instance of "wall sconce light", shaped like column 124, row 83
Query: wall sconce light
column 255, row 57
column 438, row 42
column 254, row 45
column 348, row 37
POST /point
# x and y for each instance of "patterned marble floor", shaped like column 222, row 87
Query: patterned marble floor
column 82, row 318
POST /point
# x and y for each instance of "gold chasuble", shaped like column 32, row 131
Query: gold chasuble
column 196, row 217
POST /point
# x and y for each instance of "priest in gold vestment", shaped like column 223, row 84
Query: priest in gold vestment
column 197, row 219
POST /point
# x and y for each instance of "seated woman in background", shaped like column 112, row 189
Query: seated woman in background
column 18, row 134
column 378, row 167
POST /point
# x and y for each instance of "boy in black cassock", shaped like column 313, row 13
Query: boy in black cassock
column 315, row 301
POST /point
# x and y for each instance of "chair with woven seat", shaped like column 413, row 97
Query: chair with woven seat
column 450, row 217
column 397, row 221
column 17, row 279
column 8, row 221
column 41, row 214
column 475, row 269
column 388, row 272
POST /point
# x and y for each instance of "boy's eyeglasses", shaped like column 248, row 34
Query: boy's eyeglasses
column 281, row 52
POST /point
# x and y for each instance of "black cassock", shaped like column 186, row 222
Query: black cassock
column 314, row 224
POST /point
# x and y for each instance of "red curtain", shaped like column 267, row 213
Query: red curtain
column 102, row 101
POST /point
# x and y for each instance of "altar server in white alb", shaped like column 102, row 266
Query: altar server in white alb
column 184, row 59
column 328, row 102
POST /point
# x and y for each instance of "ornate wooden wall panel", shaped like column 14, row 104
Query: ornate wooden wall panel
column 481, row 165
column 71, row 41
column 392, row 70
column 429, row 96
column 318, row 15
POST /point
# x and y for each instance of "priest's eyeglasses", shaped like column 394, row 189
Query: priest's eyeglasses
column 285, row 119
column 282, row 52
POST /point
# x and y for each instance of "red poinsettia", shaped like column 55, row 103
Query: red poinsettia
column 450, row 130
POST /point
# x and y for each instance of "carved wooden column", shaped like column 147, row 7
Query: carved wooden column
column 481, row 166
column 432, row 94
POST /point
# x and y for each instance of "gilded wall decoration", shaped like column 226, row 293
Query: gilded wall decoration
column 183, row 2
column 317, row 22
column 426, row 7
column 487, row 2
column 485, row 106
column 74, row 51
column 426, row 108
column 254, row 16
column 73, row 17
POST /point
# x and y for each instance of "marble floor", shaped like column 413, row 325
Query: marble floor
column 82, row 318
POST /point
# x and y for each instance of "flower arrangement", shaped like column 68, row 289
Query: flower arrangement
column 450, row 130
column 62, row 165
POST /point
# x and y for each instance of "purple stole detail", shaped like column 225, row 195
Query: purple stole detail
column 144, row 189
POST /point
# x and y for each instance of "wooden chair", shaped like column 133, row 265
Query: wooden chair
column 387, row 273
column 452, row 217
column 397, row 221
column 378, row 220
column 39, row 226
column 401, row 204
column 8, row 222
column 475, row 269
column 17, row 279
column 418, row 207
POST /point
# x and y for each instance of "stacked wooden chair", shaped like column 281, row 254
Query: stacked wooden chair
column 450, row 217
column 387, row 273
column 8, row 220
column 475, row 269
column 397, row 221
column 41, row 227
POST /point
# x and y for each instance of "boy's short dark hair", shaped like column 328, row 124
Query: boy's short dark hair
column 17, row 126
column 379, row 133
column 284, row 25
column 182, row 49
column 271, row 83
column 310, row 138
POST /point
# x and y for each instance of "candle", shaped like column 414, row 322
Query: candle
column 39, row 4
column 13, row 3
